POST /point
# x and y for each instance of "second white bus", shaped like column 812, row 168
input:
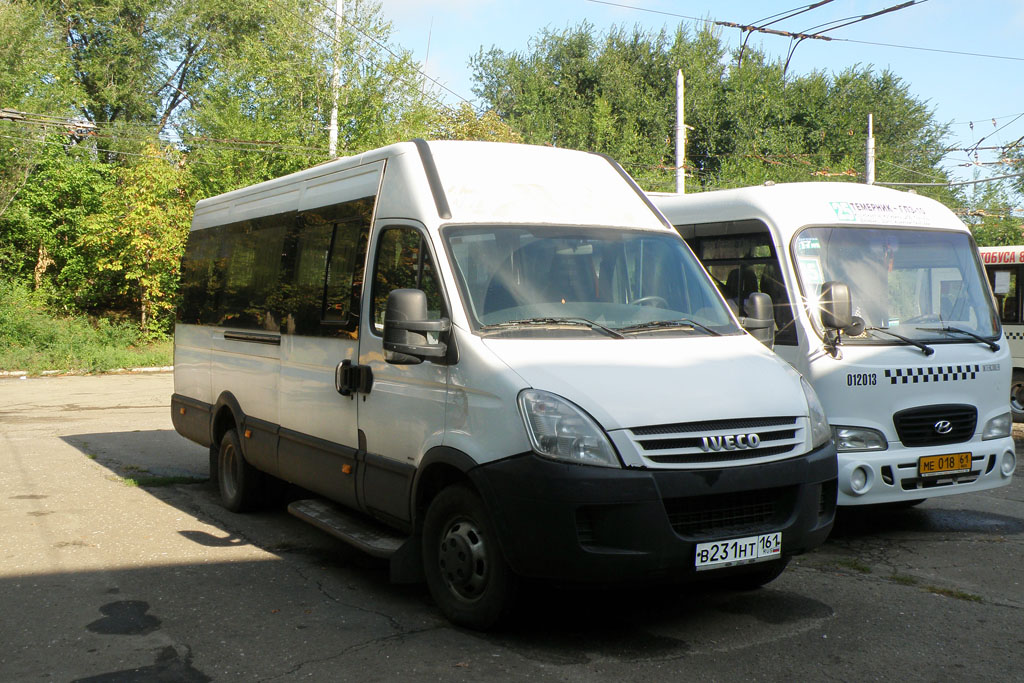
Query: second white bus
column 880, row 302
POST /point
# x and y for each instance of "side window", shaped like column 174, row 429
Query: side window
column 403, row 262
column 252, row 250
column 746, row 263
column 1004, row 286
column 306, row 289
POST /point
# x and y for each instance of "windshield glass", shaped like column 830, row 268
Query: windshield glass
column 580, row 281
column 912, row 282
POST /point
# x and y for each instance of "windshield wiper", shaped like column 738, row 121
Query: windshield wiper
column 661, row 324
column 946, row 328
column 552, row 320
column 924, row 347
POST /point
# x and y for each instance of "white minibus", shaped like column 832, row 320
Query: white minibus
column 1003, row 265
column 490, row 361
column 880, row 302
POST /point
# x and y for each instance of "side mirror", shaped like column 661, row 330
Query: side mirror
column 834, row 302
column 405, row 325
column 760, row 318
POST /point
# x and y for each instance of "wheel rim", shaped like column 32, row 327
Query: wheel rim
column 228, row 462
column 463, row 560
column 1016, row 402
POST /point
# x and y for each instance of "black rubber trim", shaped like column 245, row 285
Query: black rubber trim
column 636, row 188
column 254, row 338
column 444, row 212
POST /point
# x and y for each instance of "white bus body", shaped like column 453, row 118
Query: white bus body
column 913, row 418
column 534, row 378
column 1003, row 265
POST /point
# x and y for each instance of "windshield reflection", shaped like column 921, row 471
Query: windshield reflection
column 913, row 282
column 577, row 281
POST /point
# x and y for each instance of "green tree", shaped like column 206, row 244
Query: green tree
column 140, row 232
column 615, row 93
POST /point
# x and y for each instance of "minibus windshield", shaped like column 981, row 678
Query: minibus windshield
column 578, row 281
column 923, row 285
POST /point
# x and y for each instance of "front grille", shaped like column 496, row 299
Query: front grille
column 730, row 514
column 917, row 426
column 714, row 442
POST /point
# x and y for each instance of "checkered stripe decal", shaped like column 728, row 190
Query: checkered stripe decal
column 1013, row 335
column 936, row 373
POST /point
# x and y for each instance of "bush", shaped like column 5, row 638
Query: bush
column 34, row 339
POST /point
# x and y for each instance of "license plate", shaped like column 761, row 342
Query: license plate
column 738, row 551
column 934, row 465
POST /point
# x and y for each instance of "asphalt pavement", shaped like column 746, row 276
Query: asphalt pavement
column 117, row 563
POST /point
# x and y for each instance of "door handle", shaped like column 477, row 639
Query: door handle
column 350, row 378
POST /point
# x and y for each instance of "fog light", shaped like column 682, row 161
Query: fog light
column 1008, row 463
column 857, row 478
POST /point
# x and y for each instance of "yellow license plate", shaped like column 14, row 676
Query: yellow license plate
column 934, row 465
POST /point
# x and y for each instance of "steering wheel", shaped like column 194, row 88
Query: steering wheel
column 924, row 318
column 652, row 300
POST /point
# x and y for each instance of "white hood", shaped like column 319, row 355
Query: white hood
column 640, row 381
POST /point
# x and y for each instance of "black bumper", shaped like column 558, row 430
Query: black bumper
column 591, row 524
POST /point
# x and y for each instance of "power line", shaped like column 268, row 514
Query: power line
column 379, row 44
column 955, row 184
column 788, row 34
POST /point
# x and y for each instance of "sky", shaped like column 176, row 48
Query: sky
column 982, row 84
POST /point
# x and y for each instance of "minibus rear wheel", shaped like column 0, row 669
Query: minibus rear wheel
column 466, row 572
column 238, row 481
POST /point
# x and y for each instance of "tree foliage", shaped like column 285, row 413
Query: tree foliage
column 120, row 114
column 615, row 93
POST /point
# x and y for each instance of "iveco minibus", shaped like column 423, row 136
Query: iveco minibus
column 492, row 361
column 881, row 302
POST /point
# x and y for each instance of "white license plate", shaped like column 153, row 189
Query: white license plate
column 738, row 551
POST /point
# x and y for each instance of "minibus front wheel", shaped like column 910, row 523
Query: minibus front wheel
column 466, row 572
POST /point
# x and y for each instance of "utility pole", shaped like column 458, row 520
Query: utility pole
column 332, row 137
column 680, row 134
column 869, row 172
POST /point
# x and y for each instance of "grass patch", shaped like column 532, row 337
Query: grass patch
column 35, row 340
column 854, row 564
column 953, row 593
column 903, row 579
column 156, row 481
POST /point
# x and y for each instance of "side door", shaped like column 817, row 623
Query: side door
column 403, row 413
column 318, row 446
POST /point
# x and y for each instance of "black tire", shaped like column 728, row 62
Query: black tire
column 1017, row 396
column 238, row 481
column 466, row 572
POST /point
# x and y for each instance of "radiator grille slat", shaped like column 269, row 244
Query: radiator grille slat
column 708, row 442
column 920, row 426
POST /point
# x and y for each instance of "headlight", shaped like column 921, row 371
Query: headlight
column 859, row 439
column 997, row 427
column 561, row 431
column 820, row 431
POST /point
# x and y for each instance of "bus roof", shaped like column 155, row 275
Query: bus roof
column 480, row 182
column 788, row 207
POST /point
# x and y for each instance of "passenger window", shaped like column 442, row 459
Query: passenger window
column 1004, row 286
column 251, row 296
column 746, row 263
column 404, row 262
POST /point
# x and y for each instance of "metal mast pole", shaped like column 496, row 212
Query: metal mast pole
column 680, row 134
column 870, row 166
column 332, row 137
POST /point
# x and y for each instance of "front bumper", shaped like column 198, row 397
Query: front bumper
column 589, row 524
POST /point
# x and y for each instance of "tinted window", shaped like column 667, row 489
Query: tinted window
column 404, row 262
